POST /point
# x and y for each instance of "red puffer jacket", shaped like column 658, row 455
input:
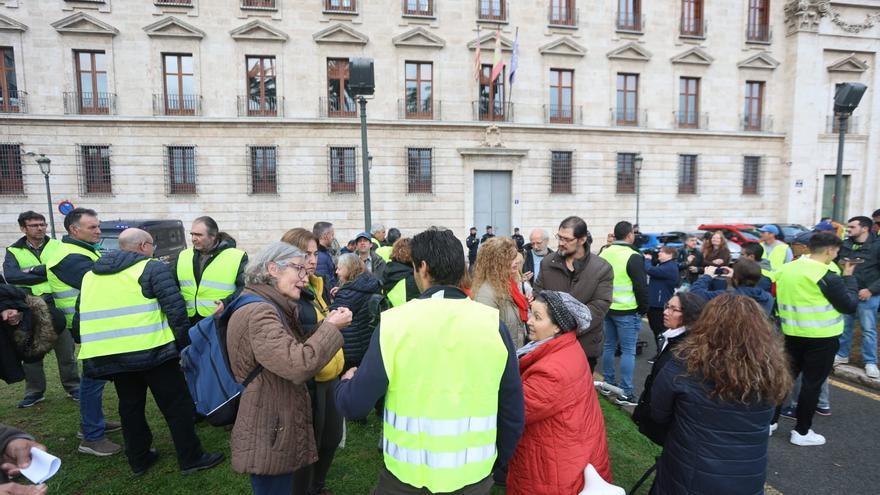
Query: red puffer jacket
column 565, row 429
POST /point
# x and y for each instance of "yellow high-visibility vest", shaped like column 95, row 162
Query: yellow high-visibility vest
column 217, row 282
column 803, row 310
column 623, row 297
column 63, row 294
column 26, row 259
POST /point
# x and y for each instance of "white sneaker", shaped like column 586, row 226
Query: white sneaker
column 811, row 438
column 773, row 427
column 872, row 371
column 840, row 360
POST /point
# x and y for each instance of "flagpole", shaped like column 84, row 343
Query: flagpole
column 513, row 54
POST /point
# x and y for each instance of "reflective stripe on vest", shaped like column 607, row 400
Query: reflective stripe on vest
column 116, row 318
column 623, row 297
column 65, row 295
column 26, row 259
column 217, row 282
column 397, row 295
column 775, row 255
column 803, row 310
column 440, row 421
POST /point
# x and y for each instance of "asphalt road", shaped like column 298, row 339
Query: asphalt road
column 849, row 463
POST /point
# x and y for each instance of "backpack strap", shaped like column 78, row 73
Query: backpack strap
column 237, row 303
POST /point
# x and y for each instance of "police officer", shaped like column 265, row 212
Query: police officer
column 629, row 300
column 65, row 272
column 211, row 273
column 131, row 320
column 812, row 298
column 460, row 366
column 25, row 267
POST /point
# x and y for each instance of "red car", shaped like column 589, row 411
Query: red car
column 739, row 233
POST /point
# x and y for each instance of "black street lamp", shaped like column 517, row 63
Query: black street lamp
column 846, row 99
column 45, row 167
column 637, row 163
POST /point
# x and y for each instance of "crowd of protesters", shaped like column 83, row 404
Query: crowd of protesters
column 477, row 356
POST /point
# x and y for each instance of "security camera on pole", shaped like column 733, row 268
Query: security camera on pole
column 361, row 82
column 846, row 99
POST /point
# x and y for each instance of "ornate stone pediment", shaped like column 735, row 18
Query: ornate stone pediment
column 848, row 64
column 341, row 33
column 82, row 23
column 259, row 31
column 630, row 51
column 761, row 61
column 10, row 24
column 694, row 56
column 563, row 46
column 419, row 37
column 172, row 27
column 487, row 42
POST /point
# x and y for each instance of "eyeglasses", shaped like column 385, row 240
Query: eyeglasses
column 301, row 269
column 672, row 309
column 36, row 225
column 565, row 239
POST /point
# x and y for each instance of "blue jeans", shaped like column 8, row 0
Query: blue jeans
column 91, row 411
column 622, row 329
column 867, row 314
column 824, row 403
column 264, row 484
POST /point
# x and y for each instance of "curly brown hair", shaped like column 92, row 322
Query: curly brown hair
column 734, row 347
column 493, row 265
column 401, row 252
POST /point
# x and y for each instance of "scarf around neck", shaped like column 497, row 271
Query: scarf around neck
column 519, row 299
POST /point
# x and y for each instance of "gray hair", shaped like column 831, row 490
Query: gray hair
column 541, row 232
column 376, row 227
column 257, row 271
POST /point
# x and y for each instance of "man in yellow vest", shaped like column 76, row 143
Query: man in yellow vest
column 812, row 299
column 775, row 251
column 399, row 282
column 448, row 370
column 384, row 251
column 65, row 273
column 211, row 273
column 25, row 267
column 131, row 320
column 629, row 300
column 377, row 235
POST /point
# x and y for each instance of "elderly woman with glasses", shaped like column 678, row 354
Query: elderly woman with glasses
column 272, row 436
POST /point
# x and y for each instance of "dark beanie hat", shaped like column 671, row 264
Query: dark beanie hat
column 567, row 313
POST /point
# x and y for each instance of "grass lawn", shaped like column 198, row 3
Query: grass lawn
column 55, row 421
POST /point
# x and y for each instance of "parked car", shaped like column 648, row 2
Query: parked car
column 647, row 242
column 735, row 249
column 789, row 230
column 169, row 236
column 739, row 233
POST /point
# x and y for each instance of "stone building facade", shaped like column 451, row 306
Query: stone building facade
column 236, row 109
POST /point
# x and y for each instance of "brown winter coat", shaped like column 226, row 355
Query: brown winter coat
column 507, row 311
column 589, row 283
column 273, row 431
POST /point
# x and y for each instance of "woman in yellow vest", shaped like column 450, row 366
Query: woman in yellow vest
column 326, row 420
column 398, row 282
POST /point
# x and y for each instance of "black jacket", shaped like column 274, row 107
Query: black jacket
column 642, row 413
column 683, row 264
column 197, row 267
column 355, row 295
column 473, row 243
column 528, row 262
column 712, row 446
column 867, row 273
column 394, row 273
column 11, row 297
column 74, row 267
column 12, row 270
column 156, row 282
column 841, row 292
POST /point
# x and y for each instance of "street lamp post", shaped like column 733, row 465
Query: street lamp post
column 45, row 167
column 637, row 163
column 846, row 100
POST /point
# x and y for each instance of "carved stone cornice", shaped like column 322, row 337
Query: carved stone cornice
column 804, row 15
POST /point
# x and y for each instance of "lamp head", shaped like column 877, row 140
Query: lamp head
column 848, row 96
column 45, row 164
column 637, row 161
